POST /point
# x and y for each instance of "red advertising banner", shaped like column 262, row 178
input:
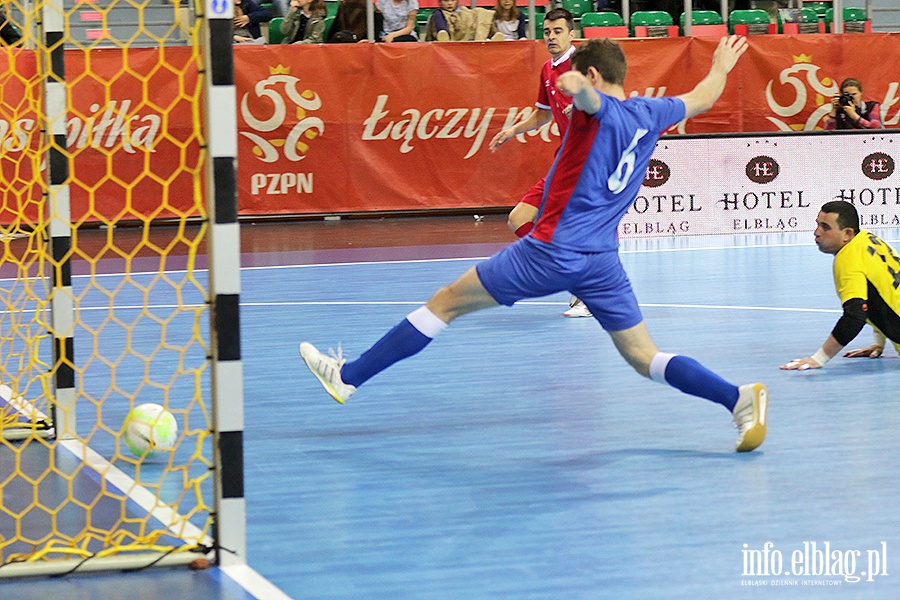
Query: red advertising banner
column 382, row 127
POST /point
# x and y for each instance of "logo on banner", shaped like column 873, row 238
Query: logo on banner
column 280, row 102
column 801, row 83
column 658, row 173
column 877, row 166
column 762, row 169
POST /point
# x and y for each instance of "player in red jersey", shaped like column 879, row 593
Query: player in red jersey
column 559, row 31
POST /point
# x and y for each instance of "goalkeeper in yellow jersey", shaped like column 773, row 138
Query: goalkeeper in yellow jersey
column 867, row 278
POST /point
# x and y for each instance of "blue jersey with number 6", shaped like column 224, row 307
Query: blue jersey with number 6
column 599, row 170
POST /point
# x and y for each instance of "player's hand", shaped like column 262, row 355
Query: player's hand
column 729, row 51
column 873, row 351
column 801, row 364
column 241, row 21
column 568, row 111
column 501, row 138
column 572, row 82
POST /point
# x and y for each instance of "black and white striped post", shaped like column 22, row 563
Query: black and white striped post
column 59, row 214
column 224, row 282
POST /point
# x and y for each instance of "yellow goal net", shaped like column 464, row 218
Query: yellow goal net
column 106, row 300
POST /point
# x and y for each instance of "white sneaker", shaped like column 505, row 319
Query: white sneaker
column 750, row 416
column 328, row 371
column 578, row 309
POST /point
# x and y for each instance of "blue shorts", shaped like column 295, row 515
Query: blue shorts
column 531, row 269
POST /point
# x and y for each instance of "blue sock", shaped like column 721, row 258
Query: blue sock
column 401, row 342
column 689, row 376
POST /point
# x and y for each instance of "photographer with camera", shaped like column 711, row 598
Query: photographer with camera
column 848, row 111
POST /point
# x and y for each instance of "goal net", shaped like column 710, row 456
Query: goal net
column 105, row 298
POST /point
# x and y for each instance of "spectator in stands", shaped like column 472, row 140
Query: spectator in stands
column 399, row 20
column 449, row 22
column 849, row 111
column 248, row 14
column 350, row 23
column 454, row 22
column 509, row 21
column 305, row 23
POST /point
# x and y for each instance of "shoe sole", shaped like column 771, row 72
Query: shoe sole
column 324, row 383
column 757, row 434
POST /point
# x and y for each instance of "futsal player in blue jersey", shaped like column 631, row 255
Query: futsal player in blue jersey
column 573, row 247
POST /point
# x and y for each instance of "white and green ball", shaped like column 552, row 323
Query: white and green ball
column 148, row 429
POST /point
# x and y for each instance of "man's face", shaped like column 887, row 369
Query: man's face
column 558, row 37
column 830, row 238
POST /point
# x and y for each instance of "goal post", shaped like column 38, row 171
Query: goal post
column 119, row 286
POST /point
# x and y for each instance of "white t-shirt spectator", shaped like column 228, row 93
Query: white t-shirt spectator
column 396, row 16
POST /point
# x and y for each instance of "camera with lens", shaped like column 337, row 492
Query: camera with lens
column 845, row 99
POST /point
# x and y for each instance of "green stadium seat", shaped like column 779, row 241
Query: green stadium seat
column 855, row 20
column 653, row 23
column 578, row 7
column 275, row 35
column 332, row 6
column 705, row 22
column 422, row 16
column 798, row 20
column 538, row 25
column 703, row 17
column 603, row 24
column 601, row 19
column 329, row 21
column 820, row 7
column 809, row 21
column 751, row 21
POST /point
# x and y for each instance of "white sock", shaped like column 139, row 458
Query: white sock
column 658, row 365
column 426, row 322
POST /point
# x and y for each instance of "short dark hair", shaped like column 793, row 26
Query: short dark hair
column 846, row 212
column 851, row 81
column 560, row 13
column 603, row 54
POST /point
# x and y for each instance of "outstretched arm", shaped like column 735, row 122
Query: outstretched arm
column 828, row 350
column 705, row 94
column 847, row 328
column 578, row 87
column 538, row 118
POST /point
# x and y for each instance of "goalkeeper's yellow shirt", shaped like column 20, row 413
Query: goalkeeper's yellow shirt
column 869, row 268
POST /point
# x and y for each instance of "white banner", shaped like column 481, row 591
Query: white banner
column 714, row 185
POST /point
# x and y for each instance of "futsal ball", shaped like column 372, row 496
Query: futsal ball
column 149, row 428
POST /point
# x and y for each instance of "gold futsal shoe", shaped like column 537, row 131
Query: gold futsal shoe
column 750, row 416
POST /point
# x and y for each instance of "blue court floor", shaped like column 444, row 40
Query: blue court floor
column 519, row 457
